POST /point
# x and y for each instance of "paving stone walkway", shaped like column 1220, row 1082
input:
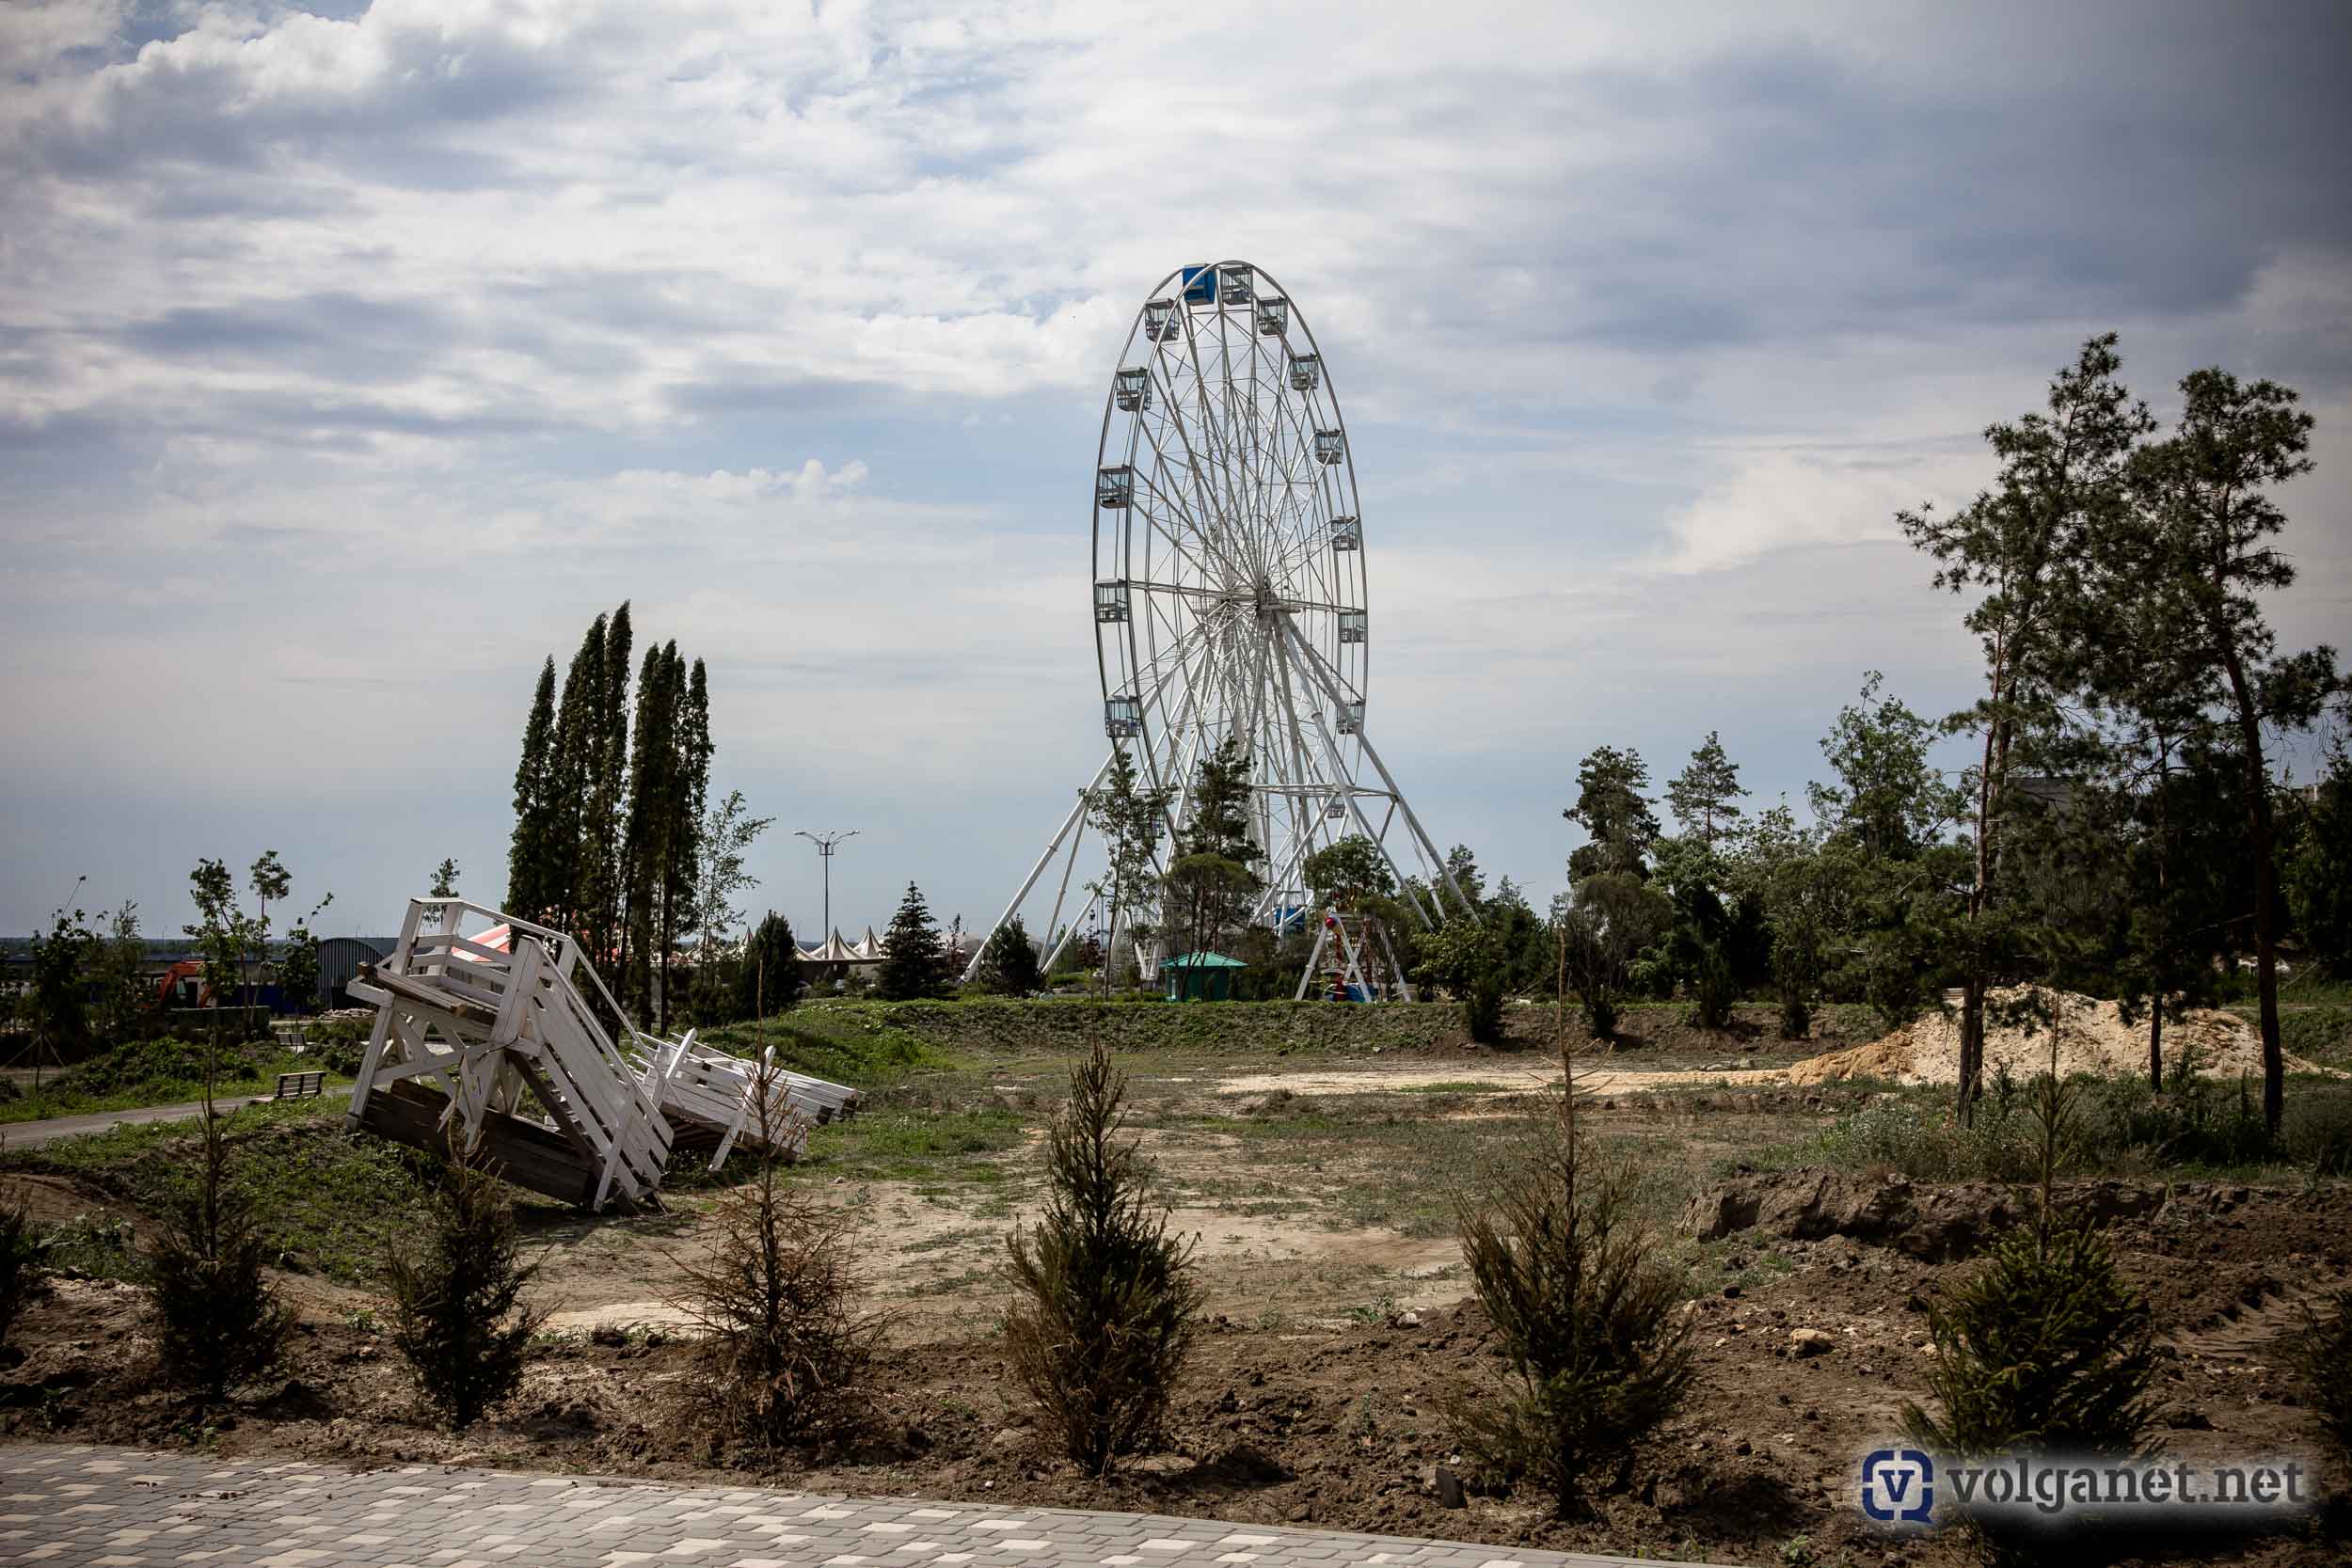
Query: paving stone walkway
column 115, row 1508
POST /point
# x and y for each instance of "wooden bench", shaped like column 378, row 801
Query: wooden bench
column 300, row 1085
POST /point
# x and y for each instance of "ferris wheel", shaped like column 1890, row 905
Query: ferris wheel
column 1229, row 594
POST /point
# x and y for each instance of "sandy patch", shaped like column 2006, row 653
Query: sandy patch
column 2090, row 1035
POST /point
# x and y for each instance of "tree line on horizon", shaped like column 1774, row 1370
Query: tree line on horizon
column 2124, row 829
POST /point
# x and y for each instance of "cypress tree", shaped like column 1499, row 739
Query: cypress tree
column 603, row 879
column 570, row 855
column 528, row 871
column 689, row 794
column 652, row 765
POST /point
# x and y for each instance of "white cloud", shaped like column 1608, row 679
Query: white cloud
column 387, row 350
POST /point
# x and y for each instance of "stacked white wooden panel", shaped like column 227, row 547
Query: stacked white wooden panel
column 714, row 1089
column 486, row 1024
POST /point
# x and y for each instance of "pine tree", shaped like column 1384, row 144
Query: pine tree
column 2023, row 549
column 2046, row 1349
column 530, row 891
column 1706, row 795
column 916, row 964
column 1613, row 812
column 1211, row 884
column 1009, row 964
column 770, row 979
column 1108, row 1302
column 459, row 1317
column 2206, row 501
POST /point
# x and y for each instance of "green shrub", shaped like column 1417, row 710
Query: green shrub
column 1714, row 989
column 1481, row 1009
column 776, row 1293
column 2318, row 1133
column 1796, row 1017
column 2045, row 1349
column 23, row 1252
column 1588, row 1318
column 2323, row 1356
column 1108, row 1304
column 218, row 1321
column 457, row 1309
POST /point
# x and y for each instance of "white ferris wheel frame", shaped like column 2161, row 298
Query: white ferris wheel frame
column 1229, row 597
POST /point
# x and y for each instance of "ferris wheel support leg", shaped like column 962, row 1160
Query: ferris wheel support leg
column 1077, row 814
column 1307, row 977
column 1364, row 824
column 1436, row 863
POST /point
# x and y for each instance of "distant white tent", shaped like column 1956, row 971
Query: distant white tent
column 832, row 950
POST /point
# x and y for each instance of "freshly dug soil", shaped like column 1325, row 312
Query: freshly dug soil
column 2090, row 1036
column 1340, row 1424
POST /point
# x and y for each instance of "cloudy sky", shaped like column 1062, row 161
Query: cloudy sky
column 352, row 356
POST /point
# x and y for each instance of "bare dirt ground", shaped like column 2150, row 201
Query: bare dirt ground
column 1341, row 1334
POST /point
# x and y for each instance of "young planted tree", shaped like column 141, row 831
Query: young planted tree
column 769, row 981
column 2324, row 1357
column 2045, row 1349
column 914, row 963
column 270, row 880
column 2024, row 547
column 1615, row 814
column 217, row 1319
column 2207, row 520
column 776, row 1293
column 459, row 1314
column 1106, row 1303
column 1128, row 817
column 1587, row 1316
column 1705, row 796
column 1009, row 964
column 24, row 1249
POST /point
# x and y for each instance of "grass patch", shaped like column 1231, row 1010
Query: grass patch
column 167, row 1071
column 328, row 1203
column 2206, row 1128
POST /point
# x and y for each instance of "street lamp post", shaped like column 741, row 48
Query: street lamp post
column 826, row 844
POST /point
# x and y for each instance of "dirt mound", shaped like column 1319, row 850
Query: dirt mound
column 1935, row 1224
column 2090, row 1036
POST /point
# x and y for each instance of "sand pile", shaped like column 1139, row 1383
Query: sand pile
column 2092, row 1038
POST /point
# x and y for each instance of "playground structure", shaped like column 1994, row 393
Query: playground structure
column 494, row 1042
column 1229, row 602
column 1348, row 964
